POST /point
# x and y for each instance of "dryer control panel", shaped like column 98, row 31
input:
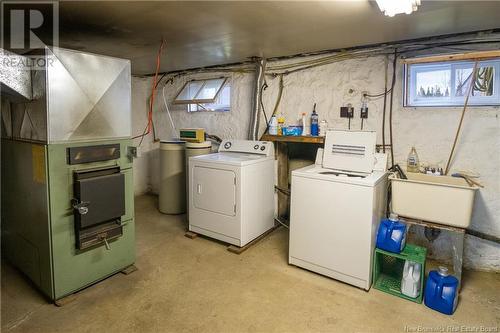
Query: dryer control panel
column 265, row 148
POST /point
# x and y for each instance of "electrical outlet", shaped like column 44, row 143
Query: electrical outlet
column 346, row 112
column 364, row 113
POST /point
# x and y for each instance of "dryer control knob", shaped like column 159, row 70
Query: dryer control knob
column 227, row 145
column 263, row 148
column 256, row 147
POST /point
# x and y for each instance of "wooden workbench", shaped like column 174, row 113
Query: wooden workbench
column 281, row 151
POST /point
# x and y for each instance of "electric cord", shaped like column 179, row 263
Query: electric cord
column 379, row 95
column 385, row 104
column 168, row 112
column 149, row 125
column 394, row 62
column 262, row 88
column 276, row 105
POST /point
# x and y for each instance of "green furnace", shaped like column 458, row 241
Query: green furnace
column 67, row 177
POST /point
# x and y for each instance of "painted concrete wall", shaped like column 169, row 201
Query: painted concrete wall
column 430, row 130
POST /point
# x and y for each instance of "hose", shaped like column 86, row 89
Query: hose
column 471, row 85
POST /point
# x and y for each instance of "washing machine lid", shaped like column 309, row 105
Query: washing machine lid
column 321, row 173
column 230, row 158
column 350, row 151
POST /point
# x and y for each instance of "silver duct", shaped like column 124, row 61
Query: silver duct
column 260, row 67
column 77, row 96
column 15, row 78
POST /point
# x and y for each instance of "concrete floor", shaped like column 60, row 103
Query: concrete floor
column 196, row 285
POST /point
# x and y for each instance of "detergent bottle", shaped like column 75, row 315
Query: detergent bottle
column 410, row 283
column 273, row 125
column 281, row 123
column 441, row 291
column 314, row 122
column 391, row 235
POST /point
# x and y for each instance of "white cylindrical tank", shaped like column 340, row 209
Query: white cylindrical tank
column 172, row 198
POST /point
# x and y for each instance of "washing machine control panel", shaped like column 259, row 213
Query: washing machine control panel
column 247, row 146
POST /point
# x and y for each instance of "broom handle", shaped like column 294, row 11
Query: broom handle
column 471, row 84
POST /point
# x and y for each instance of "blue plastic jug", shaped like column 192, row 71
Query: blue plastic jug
column 441, row 291
column 391, row 234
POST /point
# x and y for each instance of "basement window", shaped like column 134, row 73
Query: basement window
column 205, row 95
column 447, row 83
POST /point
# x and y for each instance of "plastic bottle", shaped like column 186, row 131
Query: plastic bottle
column 305, row 129
column 410, row 283
column 273, row 126
column 314, row 122
column 281, row 123
column 413, row 164
column 391, row 235
column 323, row 127
column 441, row 291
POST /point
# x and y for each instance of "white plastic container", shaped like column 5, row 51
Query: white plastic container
column 410, row 283
column 273, row 126
column 438, row 199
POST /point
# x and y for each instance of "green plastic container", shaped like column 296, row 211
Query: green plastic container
column 388, row 270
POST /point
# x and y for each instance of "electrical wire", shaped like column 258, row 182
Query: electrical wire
column 276, row 105
column 379, row 95
column 149, row 125
column 385, row 104
column 394, row 62
column 262, row 88
column 168, row 112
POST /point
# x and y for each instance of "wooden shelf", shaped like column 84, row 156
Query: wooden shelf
column 296, row 139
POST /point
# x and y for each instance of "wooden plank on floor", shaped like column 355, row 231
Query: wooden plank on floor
column 191, row 235
column 239, row 250
column 128, row 270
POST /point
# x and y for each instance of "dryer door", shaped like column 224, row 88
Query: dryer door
column 214, row 190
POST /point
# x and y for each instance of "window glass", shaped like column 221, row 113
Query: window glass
column 190, row 90
column 222, row 103
column 210, row 89
column 435, row 83
column 447, row 83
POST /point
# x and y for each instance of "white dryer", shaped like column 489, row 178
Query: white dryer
column 232, row 191
column 336, row 207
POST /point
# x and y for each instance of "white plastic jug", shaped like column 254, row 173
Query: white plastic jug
column 410, row 283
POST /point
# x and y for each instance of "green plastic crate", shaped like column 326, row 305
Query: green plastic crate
column 388, row 270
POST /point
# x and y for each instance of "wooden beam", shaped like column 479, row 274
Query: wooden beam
column 472, row 56
column 292, row 138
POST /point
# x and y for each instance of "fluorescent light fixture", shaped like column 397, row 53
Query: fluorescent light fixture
column 394, row 7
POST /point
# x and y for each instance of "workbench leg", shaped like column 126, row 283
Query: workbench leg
column 283, row 199
column 458, row 251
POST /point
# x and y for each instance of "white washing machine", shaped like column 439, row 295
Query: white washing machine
column 232, row 191
column 336, row 207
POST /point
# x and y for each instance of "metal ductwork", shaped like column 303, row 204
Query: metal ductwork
column 260, row 68
column 75, row 96
column 15, row 77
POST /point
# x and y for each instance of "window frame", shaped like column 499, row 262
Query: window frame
column 410, row 73
column 199, row 101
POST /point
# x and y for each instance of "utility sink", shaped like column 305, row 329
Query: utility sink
column 438, row 199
